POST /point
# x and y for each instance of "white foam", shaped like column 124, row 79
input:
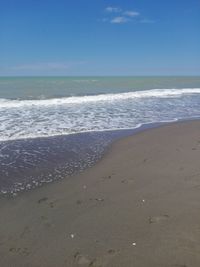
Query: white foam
column 155, row 93
column 60, row 116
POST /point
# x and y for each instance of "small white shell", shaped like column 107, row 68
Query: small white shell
column 72, row 235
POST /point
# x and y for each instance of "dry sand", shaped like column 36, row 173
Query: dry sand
column 139, row 206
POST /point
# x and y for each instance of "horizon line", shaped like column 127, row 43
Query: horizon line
column 68, row 76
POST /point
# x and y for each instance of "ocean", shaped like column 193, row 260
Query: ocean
column 51, row 127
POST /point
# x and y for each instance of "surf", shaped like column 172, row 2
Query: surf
column 154, row 93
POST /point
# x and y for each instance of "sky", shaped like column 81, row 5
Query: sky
column 99, row 37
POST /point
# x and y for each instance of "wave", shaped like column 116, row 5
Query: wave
column 153, row 93
column 149, row 125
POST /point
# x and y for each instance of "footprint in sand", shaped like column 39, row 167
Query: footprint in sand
column 92, row 200
column 42, row 200
column 79, row 202
column 107, row 177
column 84, row 260
column 127, row 181
column 111, row 251
column 20, row 251
column 51, row 204
column 158, row 219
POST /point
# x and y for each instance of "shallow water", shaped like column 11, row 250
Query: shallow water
column 29, row 163
column 52, row 127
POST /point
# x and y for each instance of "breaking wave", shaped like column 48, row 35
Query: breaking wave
column 160, row 93
column 60, row 116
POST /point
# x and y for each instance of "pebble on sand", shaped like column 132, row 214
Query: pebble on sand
column 72, row 235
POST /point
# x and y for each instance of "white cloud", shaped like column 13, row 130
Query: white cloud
column 131, row 13
column 112, row 9
column 119, row 20
column 124, row 16
column 46, row 66
column 42, row 66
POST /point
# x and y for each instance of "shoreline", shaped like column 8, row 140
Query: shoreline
column 79, row 152
column 138, row 206
column 58, row 161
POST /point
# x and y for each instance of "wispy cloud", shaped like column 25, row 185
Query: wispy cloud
column 119, row 20
column 112, row 9
column 42, row 66
column 131, row 13
column 123, row 16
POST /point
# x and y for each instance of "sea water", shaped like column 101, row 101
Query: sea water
column 38, row 114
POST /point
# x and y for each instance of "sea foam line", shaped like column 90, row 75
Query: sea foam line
column 134, row 127
column 157, row 93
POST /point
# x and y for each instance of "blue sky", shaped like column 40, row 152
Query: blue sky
column 99, row 37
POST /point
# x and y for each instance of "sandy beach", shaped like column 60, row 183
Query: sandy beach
column 139, row 206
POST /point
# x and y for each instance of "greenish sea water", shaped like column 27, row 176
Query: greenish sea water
column 47, row 106
column 53, row 87
column 78, row 117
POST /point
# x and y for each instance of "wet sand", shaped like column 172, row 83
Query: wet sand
column 26, row 164
column 139, row 206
